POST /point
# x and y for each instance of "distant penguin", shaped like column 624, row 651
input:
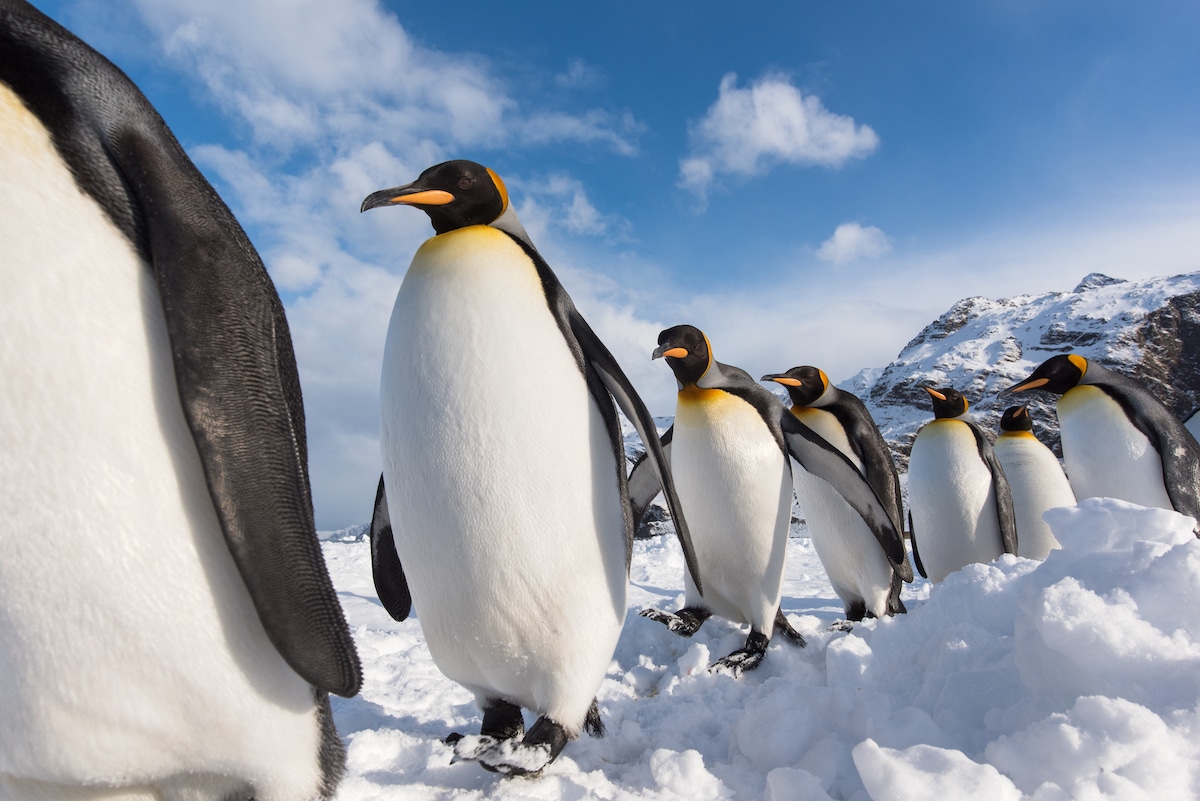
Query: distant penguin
column 503, row 513
column 730, row 445
column 960, row 505
column 1118, row 440
column 168, row 628
column 1036, row 480
column 857, row 563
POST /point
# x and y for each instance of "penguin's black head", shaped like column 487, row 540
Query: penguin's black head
column 454, row 194
column 1016, row 418
column 947, row 402
column 804, row 384
column 1057, row 374
column 687, row 352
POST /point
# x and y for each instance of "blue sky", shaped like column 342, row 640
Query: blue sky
column 808, row 182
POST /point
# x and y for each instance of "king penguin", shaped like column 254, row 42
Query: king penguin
column 958, row 497
column 860, row 567
column 168, row 628
column 730, row 444
column 1118, row 440
column 503, row 512
column 1036, row 480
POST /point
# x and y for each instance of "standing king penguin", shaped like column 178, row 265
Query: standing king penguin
column 1118, row 440
column 958, row 497
column 503, row 512
column 860, row 567
column 730, row 445
column 168, row 628
column 1036, row 480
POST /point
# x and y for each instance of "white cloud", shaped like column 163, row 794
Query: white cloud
column 579, row 75
column 851, row 241
column 749, row 130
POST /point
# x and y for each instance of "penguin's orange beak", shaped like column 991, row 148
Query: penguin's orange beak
column 1034, row 384
column 935, row 393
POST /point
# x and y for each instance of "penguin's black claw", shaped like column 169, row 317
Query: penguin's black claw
column 685, row 622
column 541, row 745
column 748, row 657
column 842, row 625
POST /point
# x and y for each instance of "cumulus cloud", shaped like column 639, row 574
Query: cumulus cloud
column 851, row 242
column 749, row 130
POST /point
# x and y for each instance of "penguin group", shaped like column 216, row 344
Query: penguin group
column 159, row 443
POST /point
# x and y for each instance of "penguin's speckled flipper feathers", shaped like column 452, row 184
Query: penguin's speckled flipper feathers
column 1177, row 448
column 234, row 366
column 644, row 485
column 607, row 382
column 1005, row 514
column 390, row 583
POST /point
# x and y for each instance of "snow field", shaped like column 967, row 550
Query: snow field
column 1078, row 677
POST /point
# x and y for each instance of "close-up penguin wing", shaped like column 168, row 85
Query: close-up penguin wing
column 644, row 485
column 1006, row 515
column 234, row 366
column 826, row 462
column 1177, row 448
column 390, row 582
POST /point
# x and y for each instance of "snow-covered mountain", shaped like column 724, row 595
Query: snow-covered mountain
column 1149, row 329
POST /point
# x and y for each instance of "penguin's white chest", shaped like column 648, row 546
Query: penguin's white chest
column 129, row 648
column 856, row 565
column 734, row 481
column 1106, row 456
column 1037, row 483
column 952, row 500
column 501, row 477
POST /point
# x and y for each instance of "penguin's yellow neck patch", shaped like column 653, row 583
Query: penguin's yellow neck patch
column 1017, row 435
column 693, row 394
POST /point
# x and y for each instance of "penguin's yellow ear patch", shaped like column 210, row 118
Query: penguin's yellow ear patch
column 824, row 378
column 500, row 186
column 1079, row 362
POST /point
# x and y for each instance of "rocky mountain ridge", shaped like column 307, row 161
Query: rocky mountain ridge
column 1149, row 329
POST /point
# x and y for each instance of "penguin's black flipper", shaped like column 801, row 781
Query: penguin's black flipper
column 1005, row 514
column 823, row 460
column 390, row 583
column 595, row 360
column 235, row 370
column 912, row 537
column 1177, row 448
column 644, row 485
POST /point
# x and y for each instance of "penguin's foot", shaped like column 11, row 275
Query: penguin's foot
column 541, row 745
column 782, row 625
column 685, row 622
column 842, row 625
column 748, row 657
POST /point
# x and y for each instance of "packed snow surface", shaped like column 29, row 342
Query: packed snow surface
column 1077, row 677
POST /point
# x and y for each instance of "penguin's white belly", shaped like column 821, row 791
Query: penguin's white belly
column 1037, row 483
column 733, row 481
column 952, row 500
column 852, row 557
column 130, row 651
column 1106, row 456
column 502, row 480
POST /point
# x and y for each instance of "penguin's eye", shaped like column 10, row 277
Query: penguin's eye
column 465, row 182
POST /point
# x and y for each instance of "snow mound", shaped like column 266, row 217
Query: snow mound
column 1077, row 677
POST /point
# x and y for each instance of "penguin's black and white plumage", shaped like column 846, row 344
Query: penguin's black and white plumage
column 168, row 627
column 858, row 565
column 959, row 502
column 1036, row 480
column 730, row 445
column 503, row 472
column 1118, row 440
